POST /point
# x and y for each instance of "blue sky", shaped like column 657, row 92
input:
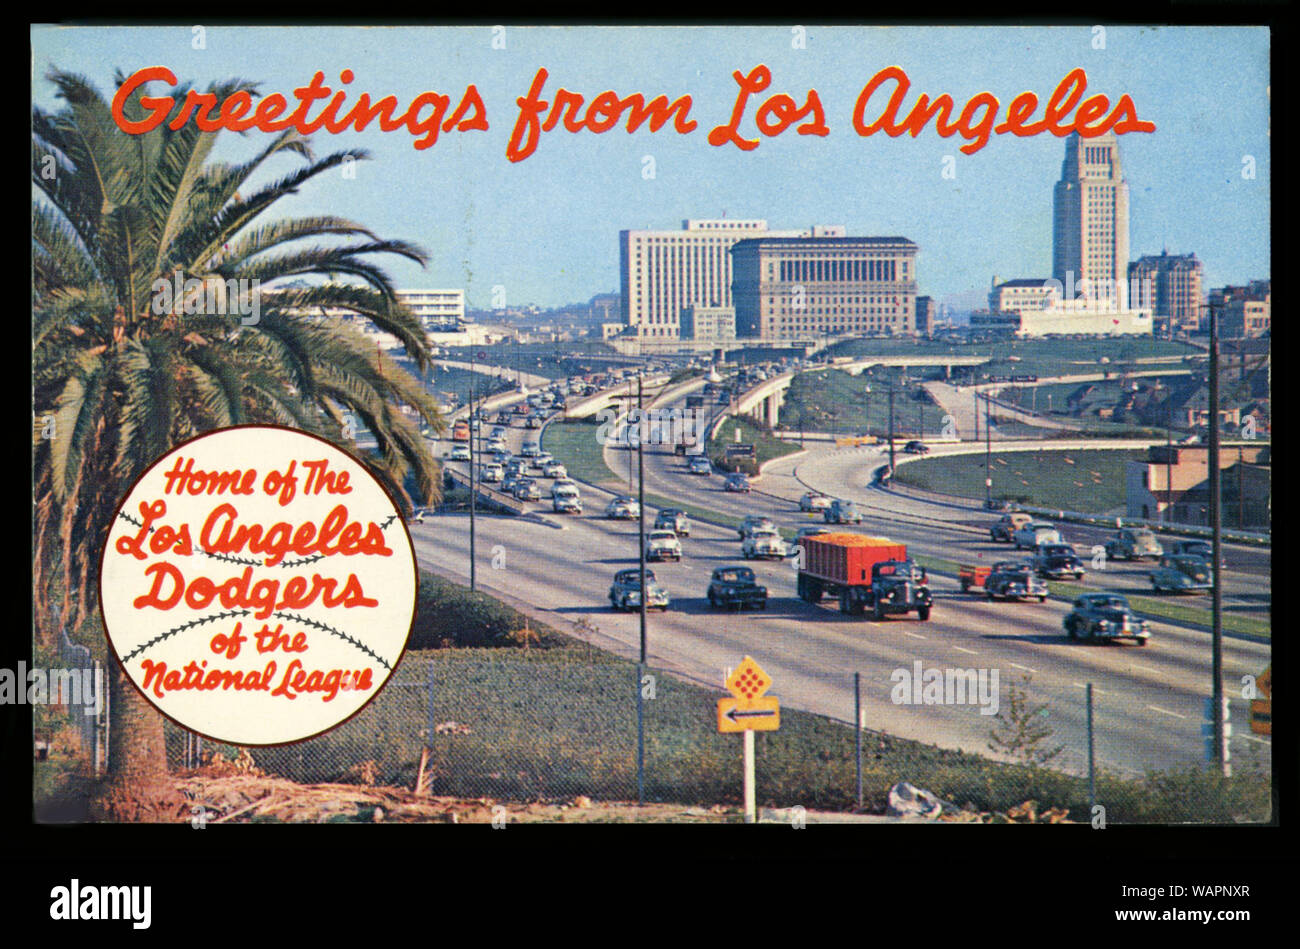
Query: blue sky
column 546, row 228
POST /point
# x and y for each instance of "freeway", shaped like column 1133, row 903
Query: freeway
column 1148, row 700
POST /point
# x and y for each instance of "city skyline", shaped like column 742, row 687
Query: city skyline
column 545, row 230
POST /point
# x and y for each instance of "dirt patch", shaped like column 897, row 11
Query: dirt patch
column 215, row 795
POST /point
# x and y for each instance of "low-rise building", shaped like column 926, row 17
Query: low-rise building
column 715, row 324
column 1172, row 484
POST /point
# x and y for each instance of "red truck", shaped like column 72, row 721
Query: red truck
column 865, row 573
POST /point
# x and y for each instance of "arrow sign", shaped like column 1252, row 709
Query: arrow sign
column 761, row 714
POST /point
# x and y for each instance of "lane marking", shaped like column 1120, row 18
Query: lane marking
column 1016, row 665
column 1261, row 741
column 971, row 652
column 1165, row 711
column 914, row 635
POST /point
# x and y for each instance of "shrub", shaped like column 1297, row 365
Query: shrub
column 447, row 615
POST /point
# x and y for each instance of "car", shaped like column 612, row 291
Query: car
column 810, row 531
column 1057, row 562
column 532, row 422
column 496, row 444
column 530, row 450
column 498, row 431
column 1132, row 543
column 1007, row 525
column 510, row 482
column 915, row 447
column 699, row 465
column 1014, row 580
column 553, row 469
column 766, row 542
column 625, row 593
column 814, row 501
column 675, row 520
column 1182, row 573
column 997, row 504
column 1035, row 533
column 565, row 498
column 491, row 473
column 623, row 507
column 527, row 490
column 842, row 512
column 754, row 522
column 459, row 453
column 736, row 588
column 663, row 545
column 502, row 457
column 1105, row 616
column 1197, row 548
column 736, row 482
column 503, row 418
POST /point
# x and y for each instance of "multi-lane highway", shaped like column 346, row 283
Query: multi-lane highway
column 1148, row 700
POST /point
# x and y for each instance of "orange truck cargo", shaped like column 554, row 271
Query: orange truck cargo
column 460, row 431
column 864, row 573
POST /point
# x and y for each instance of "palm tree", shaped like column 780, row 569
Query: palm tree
column 118, row 383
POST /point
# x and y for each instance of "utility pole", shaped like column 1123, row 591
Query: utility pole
column 891, row 428
column 1216, row 601
column 473, row 475
column 1241, row 493
column 975, row 395
column 1169, row 457
column 640, row 470
column 988, row 458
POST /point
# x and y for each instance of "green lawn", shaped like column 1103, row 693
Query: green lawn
column 1090, row 482
column 834, row 401
column 766, row 445
column 574, row 445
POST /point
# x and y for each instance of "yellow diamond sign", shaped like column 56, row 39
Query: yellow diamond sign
column 748, row 681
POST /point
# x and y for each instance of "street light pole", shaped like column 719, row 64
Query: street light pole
column 1216, row 600
column 867, row 430
column 1169, row 458
column 988, row 457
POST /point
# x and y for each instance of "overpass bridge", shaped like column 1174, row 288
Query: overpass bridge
column 763, row 401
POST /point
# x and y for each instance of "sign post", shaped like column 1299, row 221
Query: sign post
column 748, row 711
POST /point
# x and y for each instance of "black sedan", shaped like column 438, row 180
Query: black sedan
column 736, row 588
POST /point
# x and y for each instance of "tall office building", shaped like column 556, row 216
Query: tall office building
column 1169, row 286
column 797, row 287
column 1090, row 221
column 435, row 309
column 663, row 272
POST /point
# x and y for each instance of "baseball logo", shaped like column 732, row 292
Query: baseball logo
column 258, row 585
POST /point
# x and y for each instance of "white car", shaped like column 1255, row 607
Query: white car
column 623, row 508
column 764, row 543
column 496, row 444
column 460, row 453
column 492, row 473
column 1035, row 533
column 814, row 501
column 565, row 499
column 530, row 450
column 663, row 545
column 554, row 469
column 563, row 483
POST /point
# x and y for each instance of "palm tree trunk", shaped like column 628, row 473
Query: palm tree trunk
column 138, row 788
